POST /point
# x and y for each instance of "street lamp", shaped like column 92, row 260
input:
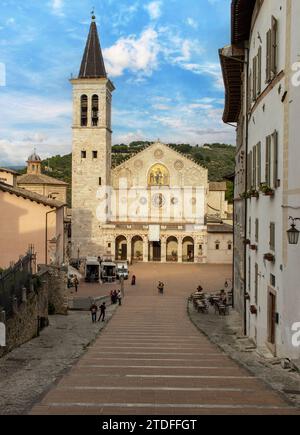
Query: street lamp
column 293, row 233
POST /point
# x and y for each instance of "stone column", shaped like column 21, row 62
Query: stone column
column 180, row 249
column 163, row 250
column 129, row 249
column 113, row 248
column 145, row 250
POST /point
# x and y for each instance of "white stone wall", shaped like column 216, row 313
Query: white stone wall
column 275, row 111
column 87, row 171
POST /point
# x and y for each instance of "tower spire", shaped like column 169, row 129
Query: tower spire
column 92, row 65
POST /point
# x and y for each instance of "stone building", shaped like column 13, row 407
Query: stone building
column 35, row 181
column 261, row 75
column 28, row 218
column 156, row 206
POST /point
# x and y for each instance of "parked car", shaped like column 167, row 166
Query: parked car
column 122, row 270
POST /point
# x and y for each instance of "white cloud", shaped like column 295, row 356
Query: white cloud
column 57, row 7
column 154, row 9
column 192, row 23
column 138, row 55
column 31, row 121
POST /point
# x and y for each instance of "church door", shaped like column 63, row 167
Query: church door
column 156, row 251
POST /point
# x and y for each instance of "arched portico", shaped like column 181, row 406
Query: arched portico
column 172, row 249
column 137, row 248
column 188, row 250
column 121, row 248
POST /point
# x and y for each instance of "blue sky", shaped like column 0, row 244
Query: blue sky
column 161, row 55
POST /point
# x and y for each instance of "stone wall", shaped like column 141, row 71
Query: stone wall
column 57, row 280
column 49, row 289
column 28, row 318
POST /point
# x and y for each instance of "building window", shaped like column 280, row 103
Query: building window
column 272, row 160
column 217, row 246
column 83, row 154
column 273, row 280
column 272, row 51
column 272, row 236
column 200, row 247
column 100, row 181
column 95, row 154
column 84, row 110
column 95, row 110
column 109, row 245
column 230, row 246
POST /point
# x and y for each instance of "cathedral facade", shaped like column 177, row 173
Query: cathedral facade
column 156, row 206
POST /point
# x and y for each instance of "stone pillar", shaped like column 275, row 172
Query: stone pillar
column 113, row 249
column 129, row 249
column 145, row 250
column 163, row 250
column 180, row 249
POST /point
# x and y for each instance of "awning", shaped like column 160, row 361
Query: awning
column 231, row 59
column 241, row 17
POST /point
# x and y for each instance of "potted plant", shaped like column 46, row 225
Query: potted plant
column 254, row 193
column 266, row 189
column 269, row 257
column 245, row 195
column 253, row 247
column 138, row 255
column 253, row 309
column 247, row 242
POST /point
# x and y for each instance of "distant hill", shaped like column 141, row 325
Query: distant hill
column 218, row 158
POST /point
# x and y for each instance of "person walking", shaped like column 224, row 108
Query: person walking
column 102, row 312
column 133, row 280
column 119, row 297
column 76, row 283
column 94, row 310
column 161, row 287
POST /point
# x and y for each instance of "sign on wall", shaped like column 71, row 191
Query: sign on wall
column 154, row 233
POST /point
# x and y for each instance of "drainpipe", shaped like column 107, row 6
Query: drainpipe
column 46, row 236
column 246, row 190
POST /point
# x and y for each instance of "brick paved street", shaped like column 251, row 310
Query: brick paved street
column 151, row 359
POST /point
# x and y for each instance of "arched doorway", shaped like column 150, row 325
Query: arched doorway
column 188, row 250
column 137, row 247
column 154, row 251
column 121, row 248
column 172, row 249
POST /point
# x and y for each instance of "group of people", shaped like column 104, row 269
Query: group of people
column 116, row 296
column 94, row 311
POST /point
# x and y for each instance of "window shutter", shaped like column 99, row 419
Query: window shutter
column 250, row 170
column 256, row 283
column 259, row 72
column 274, row 46
column 268, row 156
column 272, row 236
column 254, row 79
column 249, row 92
column 268, row 56
column 256, row 230
column 275, row 158
column 254, row 163
column 258, row 158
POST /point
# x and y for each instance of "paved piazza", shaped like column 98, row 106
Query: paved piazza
column 152, row 360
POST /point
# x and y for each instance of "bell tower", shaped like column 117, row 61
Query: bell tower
column 91, row 150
